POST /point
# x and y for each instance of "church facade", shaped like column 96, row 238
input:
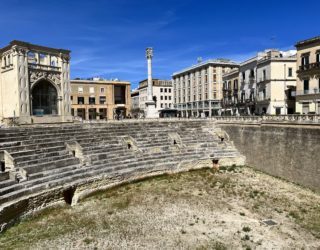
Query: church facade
column 34, row 84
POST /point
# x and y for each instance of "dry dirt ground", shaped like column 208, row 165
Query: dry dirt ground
column 193, row 210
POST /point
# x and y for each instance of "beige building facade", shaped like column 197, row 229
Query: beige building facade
column 308, row 80
column 266, row 85
column 35, row 83
column 230, row 92
column 276, row 83
column 198, row 90
column 162, row 94
column 100, row 99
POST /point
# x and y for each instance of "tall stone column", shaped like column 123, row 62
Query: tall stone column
column 151, row 111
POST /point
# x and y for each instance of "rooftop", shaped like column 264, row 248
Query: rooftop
column 308, row 41
column 31, row 46
column 100, row 81
column 224, row 62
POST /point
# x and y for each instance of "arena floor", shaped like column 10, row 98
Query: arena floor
column 231, row 209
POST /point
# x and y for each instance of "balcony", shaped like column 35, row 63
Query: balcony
column 308, row 92
column 309, row 67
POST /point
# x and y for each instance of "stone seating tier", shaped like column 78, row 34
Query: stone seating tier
column 41, row 158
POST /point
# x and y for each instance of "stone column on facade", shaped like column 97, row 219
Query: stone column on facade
column 19, row 58
column 151, row 111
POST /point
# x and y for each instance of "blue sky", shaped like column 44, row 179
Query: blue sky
column 108, row 37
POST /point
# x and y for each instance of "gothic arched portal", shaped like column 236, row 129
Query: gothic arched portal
column 44, row 99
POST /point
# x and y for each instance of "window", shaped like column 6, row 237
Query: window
column 305, row 60
column 80, row 90
column 169, row 90
column 165, row 90
column 32, row 57
column 161, row 89
column 169, row 98
column 120, row 94
column 306, row 86
column 161, row 97
column 318, row 57
column 80, row 100
column 161, row 105
column 101, row 90
column 91, row 90
column 252, row 73
column 92, row 100
column 264, row 75
column 42, row 58
column 305, row 108
column 169, row 105
column 166, row 98
column 102, row 99
column 214, row 78
column 243, row 75
column 71, row 98
column 289, row 72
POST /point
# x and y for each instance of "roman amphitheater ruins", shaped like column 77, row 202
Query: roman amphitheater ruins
column 42, row 165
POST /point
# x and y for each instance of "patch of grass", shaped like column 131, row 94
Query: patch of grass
column 121, row 204
column 88, row 240
column 246, row 237
column 294, row 214
column 246, row 229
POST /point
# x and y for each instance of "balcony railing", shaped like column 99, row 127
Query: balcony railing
column 308, row 91
column 309, row 66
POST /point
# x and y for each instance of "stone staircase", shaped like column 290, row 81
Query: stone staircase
column 38, row 159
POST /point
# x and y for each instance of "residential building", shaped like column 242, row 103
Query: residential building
column 276, row 83
column 100, row 99
column 35, row 84
column 248, row 85
column 198, row 89
column 308, row 70
column 268, row 83
column 162, row 94
column 230, row 92
column 135, row 99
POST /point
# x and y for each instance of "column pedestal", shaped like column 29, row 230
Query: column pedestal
column 151, row 111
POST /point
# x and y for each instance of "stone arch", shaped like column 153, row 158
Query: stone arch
column 44, row 95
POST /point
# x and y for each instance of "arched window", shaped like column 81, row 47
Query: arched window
column 32, row 57
column 44, row 99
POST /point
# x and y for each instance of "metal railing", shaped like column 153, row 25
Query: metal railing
column 314, row 119
column 270, row 118
column 310, row 66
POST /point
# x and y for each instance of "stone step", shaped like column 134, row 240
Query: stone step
column 21, row 159
column 6, row 183
column 31, row 169
column 53, row 172
column 42, row 160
